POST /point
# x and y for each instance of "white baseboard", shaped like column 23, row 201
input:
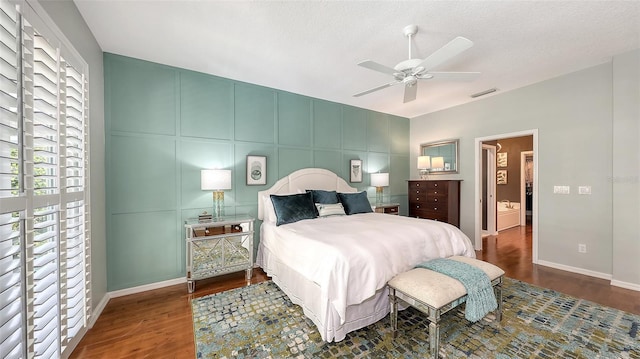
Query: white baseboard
column 567, row 268
column 625, row 285
column 98, row 310
column 146, row 287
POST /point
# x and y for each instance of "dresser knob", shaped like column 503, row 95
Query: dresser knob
column 435, row 200
column 435, row 208
column 417, row 184
column 435, row 185
column 417, row 192
column 417, row 206
column 435, row 192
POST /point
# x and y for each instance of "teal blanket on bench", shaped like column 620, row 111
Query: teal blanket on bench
column 480, row 296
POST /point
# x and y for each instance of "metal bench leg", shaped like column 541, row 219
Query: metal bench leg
column 498, row 291
column 434, row 338
column 393, row 316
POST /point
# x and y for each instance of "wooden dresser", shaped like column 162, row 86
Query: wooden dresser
column 435, row 199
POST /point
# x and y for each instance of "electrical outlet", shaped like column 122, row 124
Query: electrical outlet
column 582, row 248
column 561, row 189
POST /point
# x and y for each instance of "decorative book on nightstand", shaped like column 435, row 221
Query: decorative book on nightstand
column 438, row 200
column 388, row 208
column 216, row 247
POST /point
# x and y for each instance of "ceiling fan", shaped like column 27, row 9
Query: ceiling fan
column 408, row 72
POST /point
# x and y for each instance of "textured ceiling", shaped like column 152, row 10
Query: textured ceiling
column 312, row 47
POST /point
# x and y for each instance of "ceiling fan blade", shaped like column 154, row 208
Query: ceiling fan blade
column 410, row 92
column 456, row 76
column 451, row 49
column 372, row 65
column 376, row 89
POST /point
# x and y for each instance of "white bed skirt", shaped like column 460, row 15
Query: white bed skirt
column 307, row 294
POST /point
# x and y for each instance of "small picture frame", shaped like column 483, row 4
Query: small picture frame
column 256, row 170
column 501, row 177
column 502, row 159
column 355, row 171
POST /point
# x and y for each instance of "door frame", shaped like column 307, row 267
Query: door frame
column 478, row 187
column 491, row 189
column 523, row 186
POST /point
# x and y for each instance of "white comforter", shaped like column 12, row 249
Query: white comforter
column 351, row 257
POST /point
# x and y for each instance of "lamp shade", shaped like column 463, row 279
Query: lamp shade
column 424, row 162
column 213, row 180
column 379, row 179
column 437, row 162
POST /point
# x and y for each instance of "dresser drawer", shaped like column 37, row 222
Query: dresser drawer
column 422, row 197
column 426, row 214
column 428, row 188
column 432, row 207
column 441, row 185
column 437, row 199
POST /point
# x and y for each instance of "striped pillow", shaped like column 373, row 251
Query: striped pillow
column 334, row 209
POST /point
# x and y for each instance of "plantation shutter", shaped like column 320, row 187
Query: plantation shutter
column 9, row 124
column 12, row 276
column 45, row 295
column 76, row 298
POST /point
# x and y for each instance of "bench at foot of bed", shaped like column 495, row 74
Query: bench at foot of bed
column 434, row 294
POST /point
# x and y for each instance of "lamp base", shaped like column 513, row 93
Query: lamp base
column 424, row 174
column 218, row 205
column 379, row 195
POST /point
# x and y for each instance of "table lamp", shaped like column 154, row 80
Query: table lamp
column 379, row 180
column 216, row 181
column 424, row 164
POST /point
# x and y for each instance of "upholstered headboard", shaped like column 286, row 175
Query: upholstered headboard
column 301, row 180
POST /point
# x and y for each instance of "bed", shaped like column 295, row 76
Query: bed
column 336, row 267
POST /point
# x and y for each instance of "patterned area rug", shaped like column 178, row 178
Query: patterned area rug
column 259, row 321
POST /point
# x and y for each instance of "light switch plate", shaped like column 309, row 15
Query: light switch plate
column 584, row 189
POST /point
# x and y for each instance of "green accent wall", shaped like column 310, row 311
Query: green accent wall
column 164, row 124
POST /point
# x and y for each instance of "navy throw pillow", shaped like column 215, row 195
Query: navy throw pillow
column 324, row 197
column 355, row 202
column 293, row 208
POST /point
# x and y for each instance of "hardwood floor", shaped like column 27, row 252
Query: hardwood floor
column 511, row 251
column 157, row 323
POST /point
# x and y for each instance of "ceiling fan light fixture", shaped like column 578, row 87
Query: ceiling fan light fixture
column 410, row 80
column 409, row 71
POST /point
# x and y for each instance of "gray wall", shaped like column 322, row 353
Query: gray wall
column 575, row 119
column 70, row 22
column 626, row 167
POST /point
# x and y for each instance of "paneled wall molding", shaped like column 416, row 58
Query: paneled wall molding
column 165, row 124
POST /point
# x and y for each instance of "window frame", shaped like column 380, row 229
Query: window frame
column 52, row 228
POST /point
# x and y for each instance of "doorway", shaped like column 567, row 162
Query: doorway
column 485, row 179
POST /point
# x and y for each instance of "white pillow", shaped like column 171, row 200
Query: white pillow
column 325, row 210
column 269, row 213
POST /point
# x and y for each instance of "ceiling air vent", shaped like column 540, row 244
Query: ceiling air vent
column 485, row 92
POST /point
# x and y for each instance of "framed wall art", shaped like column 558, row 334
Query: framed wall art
column 256, row 170
column 501, row 159
column 355, row 171
column 501, row 177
